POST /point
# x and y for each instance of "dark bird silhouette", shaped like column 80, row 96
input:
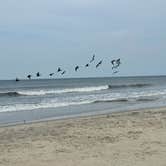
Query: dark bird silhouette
column 51, row 74
column 63, row 72
column 115, row 63
column 59, row 69
column 76, row 68
column 99, row 64
column 17, row 79
column 38, row 74
column 93, row 58
column 87, row 65
column 118, row 62
column 29, row 76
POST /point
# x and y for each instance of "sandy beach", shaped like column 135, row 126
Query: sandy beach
column 128, row 138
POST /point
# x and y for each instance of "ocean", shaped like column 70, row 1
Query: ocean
column 42, row 99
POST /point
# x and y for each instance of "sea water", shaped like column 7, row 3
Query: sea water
column 31, row 100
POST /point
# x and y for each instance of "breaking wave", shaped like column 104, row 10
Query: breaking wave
column 111, row 101
column 128, row 86
column 26, row 107
column 126, row 100
column 56, row 91
column 10, row 94
column 68, row 90
column 90, row 100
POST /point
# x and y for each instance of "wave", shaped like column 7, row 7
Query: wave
column 68, row 90
column 126, row 100
column 128, row 86
column 111, row 101
column 146, row 99
column 57, row 91
column 87, row 99
column 10, row 94
column 27, row 107
column 44, row 105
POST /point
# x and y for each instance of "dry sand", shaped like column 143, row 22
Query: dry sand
column 119, row 139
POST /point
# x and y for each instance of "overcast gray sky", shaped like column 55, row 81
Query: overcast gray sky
column 40, row 35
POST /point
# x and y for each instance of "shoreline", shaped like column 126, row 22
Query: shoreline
column 81, row 116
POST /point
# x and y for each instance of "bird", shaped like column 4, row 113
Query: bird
column 29, row 76
column 38, row 74
column 76, row 68
column 51, row 74
column 118, row 61
column 17, row 79
column 99, row 64
column 59, row 69
column 115, row 63
column 87, row 65
column 63, row 72
column 93, row 58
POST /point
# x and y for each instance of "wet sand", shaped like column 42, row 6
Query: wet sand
column 119, row 139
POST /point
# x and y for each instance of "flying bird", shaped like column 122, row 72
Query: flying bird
column 59, row 69
column 51, row 74
column 115, row 63
column 38, row 74
column 29, row 76
column 17, row 79
column 87, row 65
column 99, row 64
column 63, row 72
column 93, row 58
column 76, row 68
column 118, row 62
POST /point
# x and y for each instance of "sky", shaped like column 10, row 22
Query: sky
column 41, row 35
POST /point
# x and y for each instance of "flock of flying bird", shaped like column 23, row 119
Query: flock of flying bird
column 115, row 65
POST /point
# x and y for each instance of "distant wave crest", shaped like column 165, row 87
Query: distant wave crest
column 128, row 86
column 56, row 91
column 68, row 90
column 111, row 101
column 10, row 94
column 26, row 107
